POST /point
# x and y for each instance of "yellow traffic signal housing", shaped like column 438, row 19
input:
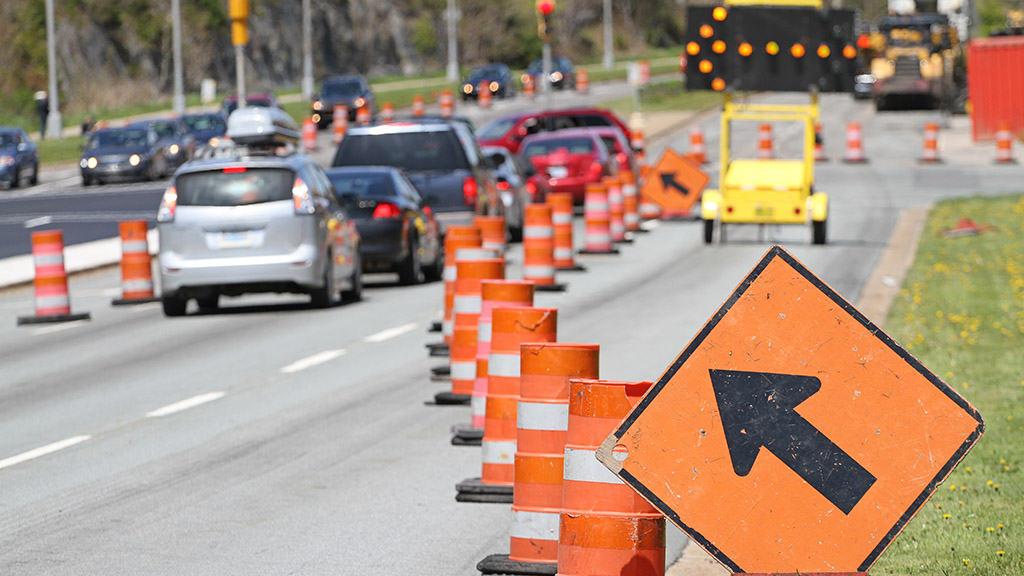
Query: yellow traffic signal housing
column 238, row 9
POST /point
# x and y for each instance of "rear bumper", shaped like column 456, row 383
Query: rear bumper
column 297, row 271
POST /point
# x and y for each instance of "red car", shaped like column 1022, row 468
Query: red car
column 509, row 131
column 618, row 144
column 570, row 159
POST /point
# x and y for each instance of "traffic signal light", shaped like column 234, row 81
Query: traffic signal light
column 775, row 48
column 238, row 12
column 545, row 8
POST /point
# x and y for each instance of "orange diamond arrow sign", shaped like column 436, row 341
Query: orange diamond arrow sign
column 675, row 183
column 792, row 434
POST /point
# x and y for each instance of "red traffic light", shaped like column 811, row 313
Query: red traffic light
column 545, row 7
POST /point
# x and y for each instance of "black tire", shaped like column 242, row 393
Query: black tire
column 818, row 231
column 86, row 181
column 355, row 292
column 324, row 297
column 173, row 305
column 410, row 270
column 16, row 180
column 515, row 233
column 35, row 174
column 152, row 173
column 435, row 270
column 709, row 231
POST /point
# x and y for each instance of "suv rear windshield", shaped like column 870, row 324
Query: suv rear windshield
column 412, row 151
column 570, row 145
column 235, row 186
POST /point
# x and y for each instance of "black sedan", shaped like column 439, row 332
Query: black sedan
column 497, row 77
column 563, row 73
column 398, row 230
column 174, row 137
column 351, row 90
column 128, row 152
column 19, row 158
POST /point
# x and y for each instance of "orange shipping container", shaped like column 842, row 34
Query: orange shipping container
column 995, row 85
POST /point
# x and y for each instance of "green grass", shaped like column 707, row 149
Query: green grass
column 961, row 312
column 663, row 97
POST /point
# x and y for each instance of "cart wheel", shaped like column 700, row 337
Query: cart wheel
column 818, row 231
column 709, row 231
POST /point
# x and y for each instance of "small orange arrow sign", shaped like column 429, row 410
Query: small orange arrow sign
column 675, row 183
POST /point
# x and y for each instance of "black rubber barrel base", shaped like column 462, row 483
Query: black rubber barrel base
column 465, row 435
column 130, row 301
column 53, row 319
column 551, row 288
column 473, row 490
column 450, row 399
column 500, row 564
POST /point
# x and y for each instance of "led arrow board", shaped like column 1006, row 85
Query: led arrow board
column 792, row 435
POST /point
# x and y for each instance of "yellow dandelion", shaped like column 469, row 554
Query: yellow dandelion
column 966, row 385
column 946, row 516
column 969, row 469
column 990, row 483
column 952, row 486
column 1002, row 460
column 1000, row 526
column 1000, row 552
column 963, row 488
column 966, row 562
column 996, row 486
column 1006, row 468
column 990, row 529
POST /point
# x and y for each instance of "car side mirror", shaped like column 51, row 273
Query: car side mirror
column 22, row 147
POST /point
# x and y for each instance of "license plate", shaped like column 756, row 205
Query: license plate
column 764, row 210
column 235, row 239
column 558, row 171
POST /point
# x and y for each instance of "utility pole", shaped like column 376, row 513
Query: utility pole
column 609, row 48
column 452, row 15
column 54, row 122
column 238, row 12
column 545, row 10
column 307, row 51
column 179, row 79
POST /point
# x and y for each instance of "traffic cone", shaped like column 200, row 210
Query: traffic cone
column 340, row 122
column 854, row 148
column 136, row 265
column 363, row 115
column 455, row 237
column 543, row 421
column 529, row 90
column 539, row 248
column 387, row 112
column 1004, row 145
column 511, row 327
column 639, row 144
column 616, row 209
column 819, row 144
column 483, row 95
column 309, row 134
column 697, row 151
column 52, row 301
column 930, row 155
column 561, row 223
column 492, row 232
column 417, row 105
column 582, row 81
column 606, row 528
column 764, row 142
column 447, row 102
column 597, row 221
column 493, row 294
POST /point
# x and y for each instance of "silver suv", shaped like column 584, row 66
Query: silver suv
column 252, row 219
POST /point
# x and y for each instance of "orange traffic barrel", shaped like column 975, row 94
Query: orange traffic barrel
column 462, row 366
column 340, row 122
column 387, row 112
column 455, row 237
column 630, row 201
column 483, row 95
column 309, row 134
column 930, row 154
column 819, row 144
column 492, row 232
column 447, row 102
column 561, row 222
column 616, row 209
column 606, row 528
column 52, row 300
column 597, row 231
column 539, row 248
column 697, row 151
column 582, row 81
column 510, row 328
column 529, row 90
column 363, row 115
column 493, row 294
column 764, row 142
column 854, row 144
column 1004, row 145
column 136, row 265
column 639, row 144
column 417, row 105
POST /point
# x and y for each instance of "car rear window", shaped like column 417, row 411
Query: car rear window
column 611, row 143
column 412, row 151
column 496, row 129
column 570, row 145
column 235, row 187
column 374, row 185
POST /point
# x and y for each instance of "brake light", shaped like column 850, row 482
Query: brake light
column 302, row 198
column 427, row 210
column 596, row 167
column 168, row 205
column 234, row 169
column 386, row 210
column 622, row 158
column 503, row 185
column 469, row 191
column 532, row 189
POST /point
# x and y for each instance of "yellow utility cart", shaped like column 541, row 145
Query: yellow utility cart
column 766, row 191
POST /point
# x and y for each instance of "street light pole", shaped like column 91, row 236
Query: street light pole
column 307, row 51
column 179, row 80
column 54, row 122
column 452, row 14
column 609, row 49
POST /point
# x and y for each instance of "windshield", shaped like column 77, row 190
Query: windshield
column 496, row 129
column 132, row 138
column 342, row 88
column 164, row 130
column 363, row 184
column 568, row 145
column 7, row 139
column 412, row 151
column 235, row 187
column 485, row 73
column 212, row 123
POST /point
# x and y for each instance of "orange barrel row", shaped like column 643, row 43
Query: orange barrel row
column 616, row 209
column 455, row 238
column 597, row 221
column 930, row 155
column 561, row 223
column 1004, row 145
column 483, row 95
column 698, row 153
column 539, row 247
column 606, row 528
column 340, row 122
column 492, row 232
column 630, row 201
column 387, row 112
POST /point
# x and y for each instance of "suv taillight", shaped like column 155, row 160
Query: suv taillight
column 386, row 210
column 302, row 198
column 168, row 205
column 532, row 189
column 596, row 167
column 469, row 191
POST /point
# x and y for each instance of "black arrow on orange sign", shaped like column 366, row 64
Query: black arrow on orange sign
column 669, row 181
column 759, row 409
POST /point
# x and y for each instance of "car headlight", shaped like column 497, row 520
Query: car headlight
column 6, row 160
column 318, row 105
column 359, row 103
column 467, row 88
column 525, row 78
column 174, row 149
column 556, row 76
column 135, row 159
column 91, row 162
column 493, row 86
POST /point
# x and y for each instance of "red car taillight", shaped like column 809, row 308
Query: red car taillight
column 469, row 191
column 302, row 198
column 596, row 167
column 168, row 205
column 386, row 210
column 504, row 185
column 532, row 189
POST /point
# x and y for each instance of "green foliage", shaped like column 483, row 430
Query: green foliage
column 424, row 38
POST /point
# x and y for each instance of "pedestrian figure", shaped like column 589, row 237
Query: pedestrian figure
column 43, row 108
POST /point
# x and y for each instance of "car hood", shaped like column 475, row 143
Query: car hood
column 346, row 100
column 116, row 150
column 7, row 150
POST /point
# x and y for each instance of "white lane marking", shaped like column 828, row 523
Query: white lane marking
column 185, row 404
column 43, row 451
column 650, row 224
column 58, row 327
column 309, row 362
column 41, row 221
column 390, row 333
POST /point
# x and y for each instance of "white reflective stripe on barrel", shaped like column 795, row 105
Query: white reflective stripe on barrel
column 505, row 365
column 535, row 525
column 474, row 254
column 134, row 246
column 483, row 332
column 538, row 272
column 136, row 285
column 463, row 370
column 502, row 453
column 563, row 253
column 447, row 327
column 583, row 466
column 542, row 416
column 596, row 206
column 538, row 232
column 561, row 218
column 478, row 405
column 53, row 259
column 629, row 190
column 467, row 304
column 52, row 301
column 449, row 273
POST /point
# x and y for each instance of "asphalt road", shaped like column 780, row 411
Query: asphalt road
column 309, row 446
